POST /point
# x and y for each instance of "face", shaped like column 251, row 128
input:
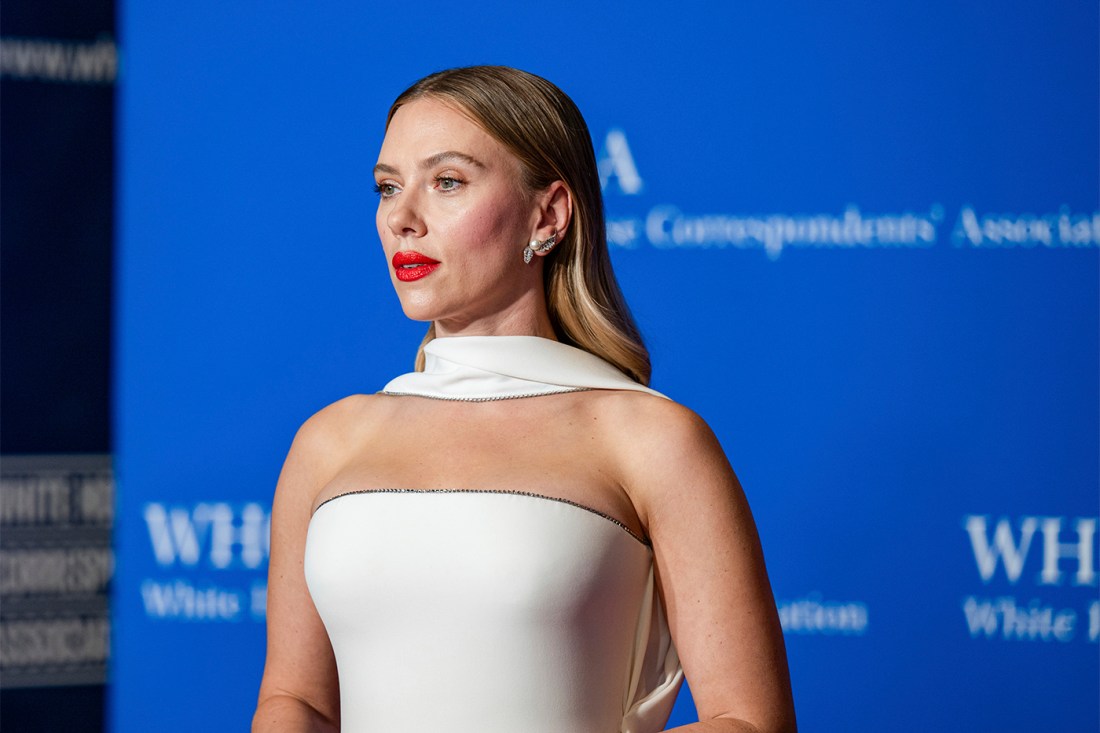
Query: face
column 453, row 218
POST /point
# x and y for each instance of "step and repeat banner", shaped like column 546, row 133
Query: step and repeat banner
column 862, row 242
column 58, row 65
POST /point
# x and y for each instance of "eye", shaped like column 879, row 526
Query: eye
column 448, row 183
column 385, row 190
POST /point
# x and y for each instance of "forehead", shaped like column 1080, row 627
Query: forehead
column 427, row 126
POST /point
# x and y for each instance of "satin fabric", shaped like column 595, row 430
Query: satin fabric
column 503, row 367
column 491, row 611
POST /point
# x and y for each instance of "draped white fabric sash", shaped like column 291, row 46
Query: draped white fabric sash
column 503, row 367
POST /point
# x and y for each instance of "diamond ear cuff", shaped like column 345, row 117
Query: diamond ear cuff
column 537, row 246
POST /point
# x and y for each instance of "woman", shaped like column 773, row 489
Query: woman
column 519, row 536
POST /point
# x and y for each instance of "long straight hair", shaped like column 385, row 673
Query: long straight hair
column 543, row 128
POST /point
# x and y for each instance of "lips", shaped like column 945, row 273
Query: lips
column 411, row 265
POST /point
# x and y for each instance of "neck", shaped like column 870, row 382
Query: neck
column 526, row 319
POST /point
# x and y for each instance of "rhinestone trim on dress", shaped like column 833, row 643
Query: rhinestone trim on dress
column 485, row 399
column 645, row 541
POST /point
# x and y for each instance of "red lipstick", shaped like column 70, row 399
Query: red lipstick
column 411, row 265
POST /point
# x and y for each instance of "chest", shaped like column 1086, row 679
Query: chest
column 551, row 445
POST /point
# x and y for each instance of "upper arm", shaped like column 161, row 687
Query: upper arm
column 300, row 663
column 710, row 569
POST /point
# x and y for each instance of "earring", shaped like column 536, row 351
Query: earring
column 537, row 246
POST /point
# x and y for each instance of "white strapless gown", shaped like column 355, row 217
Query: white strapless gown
column 489, row 611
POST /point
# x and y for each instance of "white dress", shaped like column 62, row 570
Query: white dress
column 491, row 611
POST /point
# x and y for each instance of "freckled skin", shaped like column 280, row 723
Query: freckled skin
column 450, row 192
column 475, row 218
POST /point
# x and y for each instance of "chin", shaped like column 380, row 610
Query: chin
column 415, row 311
column 416, row 314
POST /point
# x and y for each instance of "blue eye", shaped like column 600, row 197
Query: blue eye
column 448, row 183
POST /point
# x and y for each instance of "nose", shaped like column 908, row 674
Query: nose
column 404, row 218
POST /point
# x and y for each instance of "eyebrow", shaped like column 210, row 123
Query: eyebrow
column 434, row 160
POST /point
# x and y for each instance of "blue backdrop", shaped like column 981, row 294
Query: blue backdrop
column 861, row 239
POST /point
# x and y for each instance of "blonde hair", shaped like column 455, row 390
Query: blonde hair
column 543, row 128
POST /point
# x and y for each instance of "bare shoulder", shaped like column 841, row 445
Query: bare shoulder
column 628, row 404
column 324, row 441
column 648, row 429
column 664, row 453
column 336, row 420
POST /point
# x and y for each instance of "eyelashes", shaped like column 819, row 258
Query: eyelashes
column 444, row 184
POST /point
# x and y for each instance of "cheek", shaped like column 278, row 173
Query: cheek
column 472, row 245
column 380, row 223
column 488, row 229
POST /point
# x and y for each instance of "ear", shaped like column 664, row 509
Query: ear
column 555, row 212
